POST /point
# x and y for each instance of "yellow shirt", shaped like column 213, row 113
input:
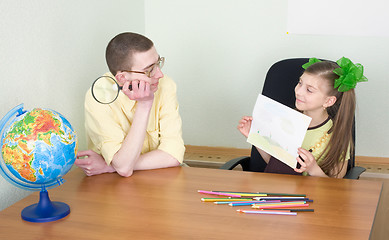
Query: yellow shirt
column 317, row 139
column 108, row 124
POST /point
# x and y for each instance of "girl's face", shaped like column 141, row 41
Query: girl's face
column 311, row 94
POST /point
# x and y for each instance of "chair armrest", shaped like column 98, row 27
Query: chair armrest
column 235, row 162
column 354, row 173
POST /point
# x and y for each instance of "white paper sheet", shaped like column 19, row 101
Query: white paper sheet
column 278, row 129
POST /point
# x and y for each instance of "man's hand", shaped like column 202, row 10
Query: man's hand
column 92, row 163
column 141, row 91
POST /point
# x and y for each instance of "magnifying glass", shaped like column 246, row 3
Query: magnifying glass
column 105, row 89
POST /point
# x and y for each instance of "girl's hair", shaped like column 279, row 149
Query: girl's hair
column 121, row 48
column 342, row 115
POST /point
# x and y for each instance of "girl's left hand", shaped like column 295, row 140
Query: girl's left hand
column 307, row 161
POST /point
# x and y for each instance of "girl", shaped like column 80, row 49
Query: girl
column 325, row 92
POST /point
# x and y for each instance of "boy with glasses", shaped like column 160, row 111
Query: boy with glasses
column 141, row 129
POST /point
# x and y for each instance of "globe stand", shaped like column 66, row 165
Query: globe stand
column 45, row 210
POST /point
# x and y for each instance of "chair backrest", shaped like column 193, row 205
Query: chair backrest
column 280, row 81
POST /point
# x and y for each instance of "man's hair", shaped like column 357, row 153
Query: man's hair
column 121, row 48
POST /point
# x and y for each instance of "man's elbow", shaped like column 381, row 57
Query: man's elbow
column 171, row 162
column 176, row 163
column 125, row 173
column 121, row 169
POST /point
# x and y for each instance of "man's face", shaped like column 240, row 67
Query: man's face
column 145, row 62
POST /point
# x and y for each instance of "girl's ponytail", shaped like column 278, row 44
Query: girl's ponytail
column 341, row 141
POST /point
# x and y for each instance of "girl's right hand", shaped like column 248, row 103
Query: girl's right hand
column 245, row 125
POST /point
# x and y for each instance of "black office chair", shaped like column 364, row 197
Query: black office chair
column 279, row 85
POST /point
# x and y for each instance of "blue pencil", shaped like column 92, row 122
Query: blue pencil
column 232, row 204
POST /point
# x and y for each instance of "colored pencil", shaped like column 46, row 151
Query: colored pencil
column 293, row 209
column 237, row 192
column 281, row 203
column 268, row 212
column 267, row 203
column 280, row 198
column 233, row 204
column 222, row 203
column 279, row 206
column 284, row 199
column 272, row 194
column 286, row 194
column 225, row 199
column 251, row 202
column 243, row 194
column 218, row 193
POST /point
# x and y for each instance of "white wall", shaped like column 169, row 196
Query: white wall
column 219, row 51
column 50, row 53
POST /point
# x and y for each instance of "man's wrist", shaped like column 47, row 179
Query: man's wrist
column 145, row 104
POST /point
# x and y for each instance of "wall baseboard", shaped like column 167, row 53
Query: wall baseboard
column 372, row 160
column 223, row 154
column 218, row 150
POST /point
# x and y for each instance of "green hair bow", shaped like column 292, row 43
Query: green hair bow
column 349, row 73
column 311, row 61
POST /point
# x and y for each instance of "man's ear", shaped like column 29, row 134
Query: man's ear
column 120, row 77
column 331, row 100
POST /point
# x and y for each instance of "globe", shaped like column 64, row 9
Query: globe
column 38, row 148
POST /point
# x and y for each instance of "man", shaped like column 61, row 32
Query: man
column 141, row 129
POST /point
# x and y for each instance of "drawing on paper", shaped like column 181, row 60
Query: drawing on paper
column 278, row 129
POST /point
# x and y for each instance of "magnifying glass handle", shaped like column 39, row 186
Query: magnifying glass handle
column 129, row 87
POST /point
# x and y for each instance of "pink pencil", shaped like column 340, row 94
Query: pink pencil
column 268, row 212
column 280, row 203
column 281, row 206
column 218, row 193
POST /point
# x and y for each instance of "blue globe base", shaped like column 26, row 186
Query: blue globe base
column 45, row 210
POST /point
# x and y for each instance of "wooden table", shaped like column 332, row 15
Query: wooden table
column 165, row 204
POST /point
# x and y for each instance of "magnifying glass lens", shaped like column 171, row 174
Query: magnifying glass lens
column 105, row 90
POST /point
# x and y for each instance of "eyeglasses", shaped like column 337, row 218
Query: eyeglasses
column 153, row 68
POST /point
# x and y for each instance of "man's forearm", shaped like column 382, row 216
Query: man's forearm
column 127, row 156
column 155, row 159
